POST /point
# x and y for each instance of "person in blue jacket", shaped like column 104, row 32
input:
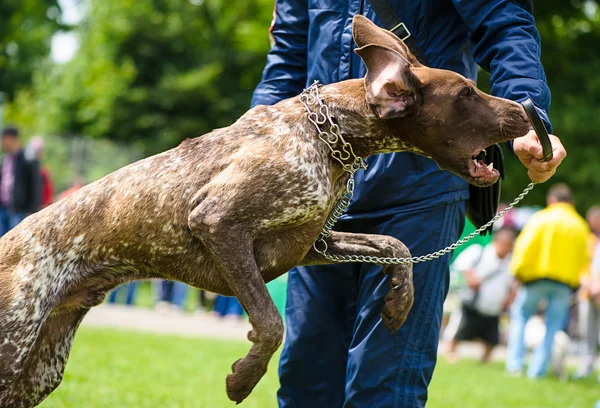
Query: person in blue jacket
column 337, row 352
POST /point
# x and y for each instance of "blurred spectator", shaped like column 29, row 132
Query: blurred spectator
column 589, row 301
column 20, row 183
column 78, row 182
column 129, row 288
column 548, row 258
column 171, row 295
column 228, row 307
column 206, row 300
column 35, row 150
column 487, row 294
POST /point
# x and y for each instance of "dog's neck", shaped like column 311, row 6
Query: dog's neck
column 359, row 124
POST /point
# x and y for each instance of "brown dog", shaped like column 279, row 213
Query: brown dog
column 234, row 209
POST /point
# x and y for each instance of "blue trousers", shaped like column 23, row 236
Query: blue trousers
column 337, row 352
column 527, row 301
column 173, row 292
column 129, row 287
column 9, row 219
column 226, row 305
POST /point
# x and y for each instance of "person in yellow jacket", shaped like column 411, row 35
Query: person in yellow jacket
column 548, row 258
column 589, row 298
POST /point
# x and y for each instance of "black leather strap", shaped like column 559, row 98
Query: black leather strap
column 539, row 128
column 390, row 20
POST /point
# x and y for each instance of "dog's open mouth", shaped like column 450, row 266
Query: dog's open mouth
column 482, row 174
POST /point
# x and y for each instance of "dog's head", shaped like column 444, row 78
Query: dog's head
column 440, row 113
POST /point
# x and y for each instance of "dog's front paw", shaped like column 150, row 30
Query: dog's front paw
column 397, row 304
column 246, row 373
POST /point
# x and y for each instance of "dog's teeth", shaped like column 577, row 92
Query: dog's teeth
column 484, row 152
column 490, row 166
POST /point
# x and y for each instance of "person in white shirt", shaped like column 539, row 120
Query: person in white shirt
column 487, row 294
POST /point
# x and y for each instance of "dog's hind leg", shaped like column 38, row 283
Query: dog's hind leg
column 44, row 367
column 232, row 251
column 399, row 299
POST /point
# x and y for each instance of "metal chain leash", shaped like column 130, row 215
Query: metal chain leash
column 414, row 259
column 348, row 159
column 310, row 96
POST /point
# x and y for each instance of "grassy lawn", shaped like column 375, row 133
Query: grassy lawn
column 116, row 369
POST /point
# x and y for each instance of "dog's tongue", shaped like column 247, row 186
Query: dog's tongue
column 481, row 166
column 482, row 171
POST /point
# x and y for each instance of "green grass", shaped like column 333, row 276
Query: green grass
column 115, row 369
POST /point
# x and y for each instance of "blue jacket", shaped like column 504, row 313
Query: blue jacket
column 313, row 40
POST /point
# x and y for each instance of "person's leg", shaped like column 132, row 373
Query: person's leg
column 320, row 312
column 466, row 331
column 524, row 306
column 165, row 291
column 220, row 305
column 112, row 298
column 490, row 334
column 178, row 294
column 589, row 341
column 234, row 308
column 201, row 300
column 452, row 346
column 557, row 309
column 596, row 325
column 487, row 352
column 4, row 225
column 131, row 290
column 14, row 218
column 394, row 369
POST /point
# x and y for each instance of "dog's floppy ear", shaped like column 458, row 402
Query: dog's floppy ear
column 365, row 32
column 391, row 87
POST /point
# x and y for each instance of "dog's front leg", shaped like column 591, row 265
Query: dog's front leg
column 230, row 244
column 399, row 299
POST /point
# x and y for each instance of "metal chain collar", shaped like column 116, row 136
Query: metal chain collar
column 309, row 97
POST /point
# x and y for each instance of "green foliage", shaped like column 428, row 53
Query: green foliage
column 26, row 28
column 155, row 72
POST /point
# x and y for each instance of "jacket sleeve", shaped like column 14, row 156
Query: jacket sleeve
column 285, row 75
column 507, row 44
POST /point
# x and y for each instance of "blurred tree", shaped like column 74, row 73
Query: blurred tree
column 153, row 72
column 26, row 29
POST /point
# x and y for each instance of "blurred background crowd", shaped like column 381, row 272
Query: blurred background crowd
column 534, row 285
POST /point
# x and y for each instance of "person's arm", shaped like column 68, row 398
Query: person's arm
column 514, row 287
column 284, row 75
column 507, row 44
column 466, row 262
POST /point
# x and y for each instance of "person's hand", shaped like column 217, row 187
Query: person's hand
column 529, row 150
column 472, row 280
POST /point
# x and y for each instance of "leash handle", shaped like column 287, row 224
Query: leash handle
column 539, row 128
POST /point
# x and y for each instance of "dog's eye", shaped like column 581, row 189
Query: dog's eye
column 467, row 92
